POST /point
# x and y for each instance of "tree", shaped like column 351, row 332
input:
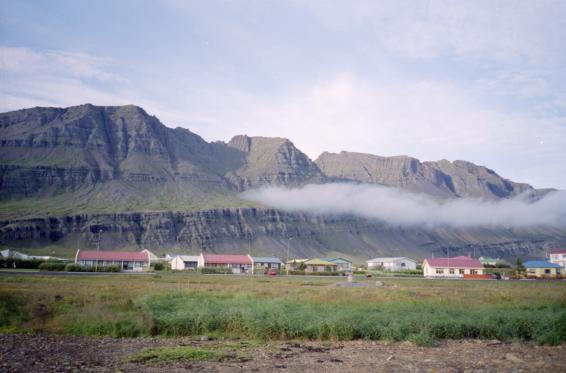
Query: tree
column 519, row 268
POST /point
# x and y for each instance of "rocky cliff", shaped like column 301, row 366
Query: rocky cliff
column 269, row 232
column 442, row 178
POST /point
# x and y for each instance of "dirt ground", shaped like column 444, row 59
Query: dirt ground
column 48, row 353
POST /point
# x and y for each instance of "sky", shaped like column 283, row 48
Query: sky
column 483, row 81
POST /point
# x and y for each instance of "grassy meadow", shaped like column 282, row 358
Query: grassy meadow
column 279, row 308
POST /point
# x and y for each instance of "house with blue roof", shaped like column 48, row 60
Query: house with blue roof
column 263, row 263
column 542, row 268
column 341, row 263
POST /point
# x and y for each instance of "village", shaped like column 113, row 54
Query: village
column 458, row 267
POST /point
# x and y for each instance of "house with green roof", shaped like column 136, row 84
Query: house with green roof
column 487, row 261
column 542, row 268
column 319, row 265
column 342, row 264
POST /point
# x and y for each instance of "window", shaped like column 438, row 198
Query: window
column 439, row 271
column 547, row 271
column 402, row 264
column 462, row 271
column 473, row 272
column 451, row 271
column 532, row 270
column 314, row 268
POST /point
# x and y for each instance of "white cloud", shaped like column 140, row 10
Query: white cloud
column 398, row 207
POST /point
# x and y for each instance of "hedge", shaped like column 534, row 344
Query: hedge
column 52, row 266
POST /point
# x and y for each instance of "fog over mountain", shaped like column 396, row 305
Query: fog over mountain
column 402, row 208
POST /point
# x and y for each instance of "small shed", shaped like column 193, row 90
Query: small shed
column 182, row 262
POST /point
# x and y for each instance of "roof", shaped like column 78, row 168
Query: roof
column 336, row 260
column 389, row 260
column 126, row 256
column 319, row 262
column 226, row 259
column 487, row 259
column 296, row 261
column 266, row 259
column 456, row 262
column 558, row 252
column 187, row 258
column 540, row 264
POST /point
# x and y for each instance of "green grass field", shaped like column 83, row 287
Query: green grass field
column 279, row 308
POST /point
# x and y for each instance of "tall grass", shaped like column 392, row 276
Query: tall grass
column 179, row 313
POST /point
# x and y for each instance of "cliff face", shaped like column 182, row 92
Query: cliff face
column 443, row 178
column 266, row 232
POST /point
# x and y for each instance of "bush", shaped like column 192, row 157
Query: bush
column 52, row 266
column 215, row 270
column 72, row 267
column 324, row 273
column 299, row 273
column 158, row 266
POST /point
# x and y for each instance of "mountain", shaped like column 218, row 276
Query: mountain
column 66, row 173
column 442, row 178
column 272, row 161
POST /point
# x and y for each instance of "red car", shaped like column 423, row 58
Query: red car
column 271, row 272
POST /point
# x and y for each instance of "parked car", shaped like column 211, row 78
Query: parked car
column 271, row 272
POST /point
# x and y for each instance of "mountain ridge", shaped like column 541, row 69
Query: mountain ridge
column 64, row 171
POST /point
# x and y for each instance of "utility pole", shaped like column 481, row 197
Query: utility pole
column 288, row 248
column 97, row 250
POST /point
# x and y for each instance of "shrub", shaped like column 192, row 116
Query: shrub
column 72, row 267
column 110, row 268
column 300, row 273
column 215, row 270
column 158, row 266
column 52, row 266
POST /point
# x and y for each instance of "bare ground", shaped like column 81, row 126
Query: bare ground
column 50, row 353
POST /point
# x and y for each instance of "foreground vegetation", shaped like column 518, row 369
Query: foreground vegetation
column 265, row 308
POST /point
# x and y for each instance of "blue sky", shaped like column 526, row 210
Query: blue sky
column 482, row 81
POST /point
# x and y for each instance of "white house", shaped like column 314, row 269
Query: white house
column 459, row 266
column 182, row 262
column 558, row 257
column 392, row 264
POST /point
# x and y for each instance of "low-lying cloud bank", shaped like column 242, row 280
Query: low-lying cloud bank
column 398, row 207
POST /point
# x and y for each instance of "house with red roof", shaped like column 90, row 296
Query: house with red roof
column 558, row 257
column 126, row 260
column 457, row 267
column 238, row 263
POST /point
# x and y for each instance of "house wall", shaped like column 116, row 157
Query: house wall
column 320, row 268
column 266, row 265
column 543, row 272
column 455, row 272
column 177, row 264
column 558, row 259
column 125, row 265
column 394, row 266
